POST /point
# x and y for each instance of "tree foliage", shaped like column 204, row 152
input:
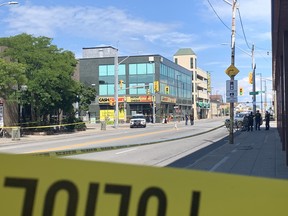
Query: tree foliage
column 47, row 70
column 12, row 78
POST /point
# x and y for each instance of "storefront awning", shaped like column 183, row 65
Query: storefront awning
column 203, row 105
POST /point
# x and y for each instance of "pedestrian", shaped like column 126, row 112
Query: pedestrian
column 250, row 121
column 245, row 122
column 258, row 118
column 191, row 119
column 267, row 120
column 186, row 119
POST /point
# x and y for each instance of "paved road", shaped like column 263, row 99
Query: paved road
column 160, row 154
column 95, row 138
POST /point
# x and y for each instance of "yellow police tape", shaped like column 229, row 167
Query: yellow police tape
column 45, row 186
column 44, row 126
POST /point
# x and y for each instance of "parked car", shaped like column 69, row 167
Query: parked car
column 240, row 116
column 138, row 120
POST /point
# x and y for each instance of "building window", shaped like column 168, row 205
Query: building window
column 176, row 61
column 106, row 75
column 191, row 63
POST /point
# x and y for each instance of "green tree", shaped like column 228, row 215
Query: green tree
column 12, row 78
column 49, row 71
column 86, row 95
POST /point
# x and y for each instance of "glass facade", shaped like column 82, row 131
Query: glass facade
column 180, row 84
column 106, row 79
column 141, row 77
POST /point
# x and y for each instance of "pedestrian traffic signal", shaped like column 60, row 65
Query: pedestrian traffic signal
column 241, row 91
column 250, row 78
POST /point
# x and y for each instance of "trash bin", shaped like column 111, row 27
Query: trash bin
column 103, row 125
column 16, row 133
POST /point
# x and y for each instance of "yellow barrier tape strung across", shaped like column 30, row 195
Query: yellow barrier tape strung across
column 44, row 186
column 44, row 126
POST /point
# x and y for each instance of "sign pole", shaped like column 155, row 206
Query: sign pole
column 231, row 135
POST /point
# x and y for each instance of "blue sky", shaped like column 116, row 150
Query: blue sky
column 155, row 27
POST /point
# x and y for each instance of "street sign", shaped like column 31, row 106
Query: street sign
column 231, row 71
column 231, row 98
column 231, row 86
column 231, row 91
column 254, row 93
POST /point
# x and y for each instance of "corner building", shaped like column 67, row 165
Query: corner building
column 200, row 82
column 144, row 81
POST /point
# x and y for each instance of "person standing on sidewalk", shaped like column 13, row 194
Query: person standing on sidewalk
column 250, row 121
column 186, row 119
column 267, row 120
column 258, row 118
column 191, row 119
column 246, row 122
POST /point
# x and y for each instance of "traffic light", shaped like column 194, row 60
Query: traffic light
column 166, row 89
column 121, row 83
column 156, row 86
column 241, row 91
column 251, row 78
column 148, row 91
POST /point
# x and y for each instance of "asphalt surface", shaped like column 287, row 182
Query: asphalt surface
column 257, row 153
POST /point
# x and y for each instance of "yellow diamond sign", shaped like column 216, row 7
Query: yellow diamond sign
column 232, row 71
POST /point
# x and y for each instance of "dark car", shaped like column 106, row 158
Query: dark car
column 138, row 120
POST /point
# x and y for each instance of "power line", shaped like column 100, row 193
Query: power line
column 218, row 15
column 243, row 31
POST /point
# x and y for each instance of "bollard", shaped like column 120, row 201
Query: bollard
column 103, row 125
column 16, row 133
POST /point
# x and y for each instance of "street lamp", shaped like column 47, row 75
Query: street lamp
column 261, row 103
column 116, row 65
column 177, row 92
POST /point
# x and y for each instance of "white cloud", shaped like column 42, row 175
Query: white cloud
column 103, row 24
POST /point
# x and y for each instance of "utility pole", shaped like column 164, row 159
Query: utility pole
column 254, row 81
column 116, row 66
column 231, row 135
column 261, row 103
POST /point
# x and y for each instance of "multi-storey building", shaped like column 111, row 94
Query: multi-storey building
column 201, row 104
column 145, row 81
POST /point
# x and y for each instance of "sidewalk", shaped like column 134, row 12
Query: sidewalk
column 257, row 153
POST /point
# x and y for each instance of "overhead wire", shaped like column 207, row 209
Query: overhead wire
column 218, row 15
column 243, row 31
column 242, row 27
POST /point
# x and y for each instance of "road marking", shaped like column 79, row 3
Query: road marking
column 96, row 142
column 129, row 150
column 219, row 164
